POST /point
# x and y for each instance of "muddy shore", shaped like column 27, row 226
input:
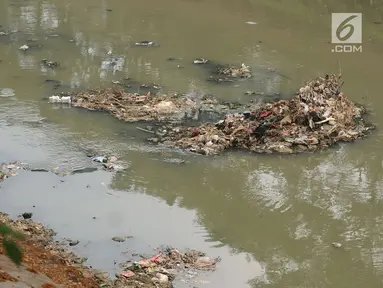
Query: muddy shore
column 48, row 262
column 45, row 262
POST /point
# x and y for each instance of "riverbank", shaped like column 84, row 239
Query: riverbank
column 48, row 263
column 45, row 263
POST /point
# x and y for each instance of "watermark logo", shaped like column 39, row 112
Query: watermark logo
column 346, row 32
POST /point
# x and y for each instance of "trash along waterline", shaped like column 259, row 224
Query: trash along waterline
column 41, row 251
column 318, row 117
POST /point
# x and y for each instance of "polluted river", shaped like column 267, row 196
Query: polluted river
column 273, row 220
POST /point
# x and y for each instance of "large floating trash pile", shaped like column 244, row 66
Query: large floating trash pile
column 318, row 117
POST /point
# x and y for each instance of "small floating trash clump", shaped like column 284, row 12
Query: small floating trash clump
column 24, row 48
column 7, row 92
column 162, row 269
column 50, row 64
column 147, row 43
column 200, row 61
column 62, row 99
column 224, row 73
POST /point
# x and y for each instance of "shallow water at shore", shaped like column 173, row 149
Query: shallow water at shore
column 272, row 219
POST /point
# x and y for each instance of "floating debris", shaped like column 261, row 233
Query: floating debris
column 251, row 22
column 154, row 106
column 110, row 163
column 317, row 118
column 84, row 170
column 27, row 215
column 24, row 48
column 134, row 107
column 235, row 72
column 337, row 244
column 146, row 44
column 50, row 64
column 121, row 239
column 10, row 169
column 39, row 170
column 100, row 159
column 200, row 61
column 161, row 269
column 73, row 242
column 7, row 92
column 62, row 99
column 220, row 73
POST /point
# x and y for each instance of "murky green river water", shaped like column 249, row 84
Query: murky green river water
column 272, row 219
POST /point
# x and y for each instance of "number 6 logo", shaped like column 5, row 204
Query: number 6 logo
column 346, row 28
column 343, row 26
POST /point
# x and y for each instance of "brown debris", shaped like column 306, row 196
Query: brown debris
column 10, row 169
column 48, row 285
column 235, row 72
column 132, row 107
column 318, row 117
column 151, row 108
column 160, row 270
column 230, row 73
column 4, row 276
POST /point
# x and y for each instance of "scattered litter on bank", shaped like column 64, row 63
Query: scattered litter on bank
column 161, row 269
